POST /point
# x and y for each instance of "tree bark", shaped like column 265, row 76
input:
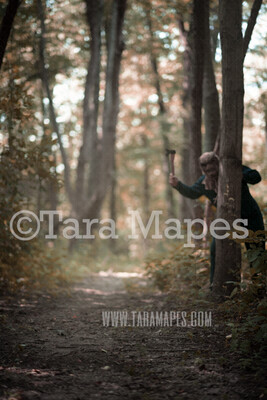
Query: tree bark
column 196, row 37
column 113, row 202
column 210, row 92
column 228, row 254
column 6, row 25
column 89, row 150
column 101, row 166
column 51, row 187
column 187, row 204
column 146, row 187
column 162, row 116
column 250, row 26
column 193, row 67
column 264, row 100
column 53, row 119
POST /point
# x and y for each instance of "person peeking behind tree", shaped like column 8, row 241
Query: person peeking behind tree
column 207, row 185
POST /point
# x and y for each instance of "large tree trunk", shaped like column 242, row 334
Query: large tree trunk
column 6, row 25
column 210, row 92
column 101, row 165
column 234, row 48
column 193, row 67
column 210, row 98
column 228, row 254
column 111, row 102
column 90, row 150
column 247, row 37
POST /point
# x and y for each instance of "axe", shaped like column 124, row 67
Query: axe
column 172, row 153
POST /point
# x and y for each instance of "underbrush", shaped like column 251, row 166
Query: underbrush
column 248, row 322
column 43, row 266
column 50, row 266
column 182, row 270
column 247, row 309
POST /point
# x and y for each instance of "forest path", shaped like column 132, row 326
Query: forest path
column 58, row 348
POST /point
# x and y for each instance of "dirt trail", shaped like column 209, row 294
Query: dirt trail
column 59, row 349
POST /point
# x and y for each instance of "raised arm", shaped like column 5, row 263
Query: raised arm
column 193, row 192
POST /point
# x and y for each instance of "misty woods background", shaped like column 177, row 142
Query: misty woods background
column 92, row 93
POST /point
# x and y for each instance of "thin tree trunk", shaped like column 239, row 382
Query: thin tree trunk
column 162, row 116
column 228, row 254
column 51, row 188
column 10, row 126
column 113, row 202
column 210, row 92
column 146, row 186
column 250, row 26
column 6, row 25
column 45, row 81
column 197, row 36
column 39, row 197
column 264, row 99
column 146, row 189
column 187, row 204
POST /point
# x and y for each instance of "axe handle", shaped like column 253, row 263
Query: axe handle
column 172, row 163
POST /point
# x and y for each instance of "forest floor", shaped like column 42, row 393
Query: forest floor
column 58, row 348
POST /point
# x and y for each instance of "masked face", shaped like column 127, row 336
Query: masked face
column 210, row 169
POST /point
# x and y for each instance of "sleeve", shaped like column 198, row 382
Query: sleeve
column 194, row 191
column 250, row 175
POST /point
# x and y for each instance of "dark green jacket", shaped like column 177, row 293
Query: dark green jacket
column 249, row 207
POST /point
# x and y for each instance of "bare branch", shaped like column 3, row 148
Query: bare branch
column 183, row 31
column 154, row 64
column 6, row 25
column 250, row 26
